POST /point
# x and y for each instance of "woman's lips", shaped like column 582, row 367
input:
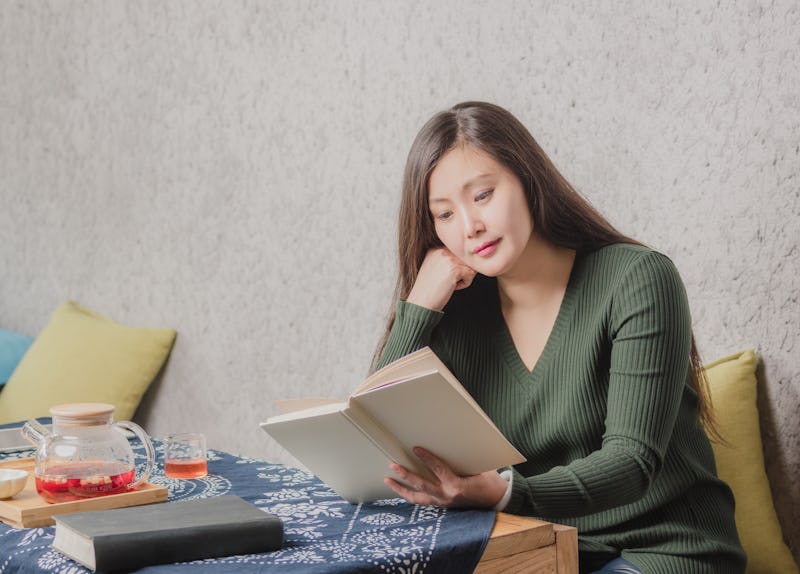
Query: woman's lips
column 486, row 249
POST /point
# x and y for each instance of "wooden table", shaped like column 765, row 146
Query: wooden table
column 521, row 544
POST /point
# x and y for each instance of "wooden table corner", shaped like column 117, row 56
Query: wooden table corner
column 520, row 544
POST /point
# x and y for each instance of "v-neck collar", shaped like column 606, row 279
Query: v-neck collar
column 505, row 344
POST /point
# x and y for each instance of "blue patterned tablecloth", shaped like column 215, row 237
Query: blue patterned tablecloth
column 323, row 533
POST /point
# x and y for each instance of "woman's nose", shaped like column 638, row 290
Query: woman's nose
column 473, row 225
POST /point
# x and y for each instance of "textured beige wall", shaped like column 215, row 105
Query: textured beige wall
column 231, row 169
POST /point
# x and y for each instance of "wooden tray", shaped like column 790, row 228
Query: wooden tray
column 27, row 509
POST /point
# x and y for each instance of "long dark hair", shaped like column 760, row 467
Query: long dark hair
column 560, row 214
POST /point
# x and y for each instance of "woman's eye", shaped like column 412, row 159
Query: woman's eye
column 444, row 215
column 484, row 195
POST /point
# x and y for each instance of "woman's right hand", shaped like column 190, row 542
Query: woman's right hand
column 440, row 275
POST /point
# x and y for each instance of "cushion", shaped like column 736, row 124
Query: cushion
column 12, row 347
column 81, row 356
column 740, row 463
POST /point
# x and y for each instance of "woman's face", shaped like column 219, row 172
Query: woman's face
column 479, row 210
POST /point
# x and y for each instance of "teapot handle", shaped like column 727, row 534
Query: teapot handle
column 148, row 447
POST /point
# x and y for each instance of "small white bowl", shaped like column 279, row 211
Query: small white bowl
column 12, row 481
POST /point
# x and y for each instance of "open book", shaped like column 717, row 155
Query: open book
column 414, row 401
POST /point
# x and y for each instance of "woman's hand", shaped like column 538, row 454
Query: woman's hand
column 449, row 490
column 440, row 275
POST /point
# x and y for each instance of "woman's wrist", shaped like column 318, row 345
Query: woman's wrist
column 425, row 302
column 508, row 476
column 488, row 490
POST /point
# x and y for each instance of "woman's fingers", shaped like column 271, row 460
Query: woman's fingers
column 413, row 487
column 466, row 277
column 414, row 481
column 461, row 274
column 448, row 489
column 437, row 465
column 419, row 490
column 440, row 274
column 411, row 495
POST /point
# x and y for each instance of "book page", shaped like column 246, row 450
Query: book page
column 335, row 450
column 438, row 414
column 309, row 411
column 389, row 444
column 292, row 405
column 418, row 364
column 412, row 364
column 380, row 385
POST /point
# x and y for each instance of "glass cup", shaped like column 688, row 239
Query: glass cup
column 185, row 455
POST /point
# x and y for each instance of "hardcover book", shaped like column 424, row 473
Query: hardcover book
column 414, row 401
column 131, row 538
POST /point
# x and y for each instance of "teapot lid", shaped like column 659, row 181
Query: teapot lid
column 82, row 410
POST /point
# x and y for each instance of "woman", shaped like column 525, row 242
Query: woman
column 575, row 339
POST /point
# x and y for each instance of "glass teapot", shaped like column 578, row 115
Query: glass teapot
column 85, row 455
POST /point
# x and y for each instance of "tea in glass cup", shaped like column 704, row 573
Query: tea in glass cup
column 185, row 456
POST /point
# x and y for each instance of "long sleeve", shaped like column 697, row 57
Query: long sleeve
column 649, row 366
column 412, row 329
column 607, row 418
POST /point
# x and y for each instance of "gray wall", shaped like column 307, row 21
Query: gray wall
column 231, row 169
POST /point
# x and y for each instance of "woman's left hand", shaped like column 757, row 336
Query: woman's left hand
column 449, row 490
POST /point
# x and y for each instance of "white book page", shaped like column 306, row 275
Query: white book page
column 431, row 413
column 337, row 451
column 292, row 405
column 419, row 361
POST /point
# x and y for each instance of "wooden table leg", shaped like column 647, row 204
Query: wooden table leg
column 566, row 549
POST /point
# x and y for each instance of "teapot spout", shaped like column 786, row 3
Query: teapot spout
column 35, row 432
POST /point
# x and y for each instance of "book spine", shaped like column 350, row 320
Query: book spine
column 388, row 444
column 131, row 551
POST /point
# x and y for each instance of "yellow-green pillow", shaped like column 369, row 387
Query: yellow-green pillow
column 81, row 356
column 740, row 463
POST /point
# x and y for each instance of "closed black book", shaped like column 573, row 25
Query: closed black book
column 130, row 538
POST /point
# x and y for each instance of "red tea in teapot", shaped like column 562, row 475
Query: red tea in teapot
column 74, row 481
column 86, row 454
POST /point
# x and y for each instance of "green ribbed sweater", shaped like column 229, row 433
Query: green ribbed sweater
column 607, row 419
